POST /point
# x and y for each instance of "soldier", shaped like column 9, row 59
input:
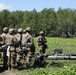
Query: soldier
column 19, row 46
column 23, row 45
column 41, row 42
column 5, row 32
column 11, row 52
column 28, row 43
column 3, row 35
column 19, row 35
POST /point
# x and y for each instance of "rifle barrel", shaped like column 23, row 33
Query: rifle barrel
column 63, row 57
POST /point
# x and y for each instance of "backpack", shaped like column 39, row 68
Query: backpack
column 24, row 40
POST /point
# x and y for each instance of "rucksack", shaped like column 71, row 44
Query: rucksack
column 24, row 39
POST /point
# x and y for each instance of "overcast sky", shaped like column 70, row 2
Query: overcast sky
column 13, row 5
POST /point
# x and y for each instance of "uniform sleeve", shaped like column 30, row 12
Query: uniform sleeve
column 30, row 41
column 2, row 39
column 45, row 40
column 37, row 39
column 14, row 39
column 18, row 37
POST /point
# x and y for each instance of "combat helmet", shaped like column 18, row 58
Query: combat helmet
column 24, row 31
column 41, row 32
column 20, row 30
column 11, row 30
column 28, row 29
column 5, row 29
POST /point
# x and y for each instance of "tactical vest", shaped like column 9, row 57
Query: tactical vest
column 41, row 40
column 9, row 40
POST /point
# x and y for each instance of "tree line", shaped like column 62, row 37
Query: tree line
column 52, row 22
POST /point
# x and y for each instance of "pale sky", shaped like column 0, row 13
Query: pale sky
column 39, row 5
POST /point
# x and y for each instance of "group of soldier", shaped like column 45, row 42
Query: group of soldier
column 18, row 45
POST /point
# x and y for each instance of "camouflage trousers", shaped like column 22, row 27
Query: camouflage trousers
column 19, row 56
column 25, row 52
column 28, row 59
column 42, row 49
column 12, row 58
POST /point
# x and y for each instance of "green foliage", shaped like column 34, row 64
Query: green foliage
column 71, row 70
column 55, row 67
column 52, row 34
column 67, row 71
column 48, row 20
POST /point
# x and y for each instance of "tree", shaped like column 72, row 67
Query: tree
column 4, row 19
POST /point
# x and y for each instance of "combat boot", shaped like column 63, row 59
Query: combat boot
column 27, row 65
column 9, row 68
column 12, row 68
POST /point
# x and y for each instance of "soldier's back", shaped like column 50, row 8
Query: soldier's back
column 9, row 39
column 18, row 37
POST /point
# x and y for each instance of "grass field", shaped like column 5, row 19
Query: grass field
column 68, row 45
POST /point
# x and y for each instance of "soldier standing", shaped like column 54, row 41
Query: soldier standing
column 28, row 43
column 19, row 46
column 42, row 42
column 5, row 32
column 24, row 38
column 11, row 52
column 3, row 35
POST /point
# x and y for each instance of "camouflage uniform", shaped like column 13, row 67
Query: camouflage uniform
column 28, row 43
column 18, row 46
column 5, row 31
column 1, row 41
column 24, row 38
column 3, row 35
column 11, row 52
column 41, row 42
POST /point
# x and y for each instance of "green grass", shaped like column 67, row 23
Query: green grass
column 68, row 45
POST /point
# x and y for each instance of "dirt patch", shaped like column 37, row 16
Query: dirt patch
column 10, row 73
